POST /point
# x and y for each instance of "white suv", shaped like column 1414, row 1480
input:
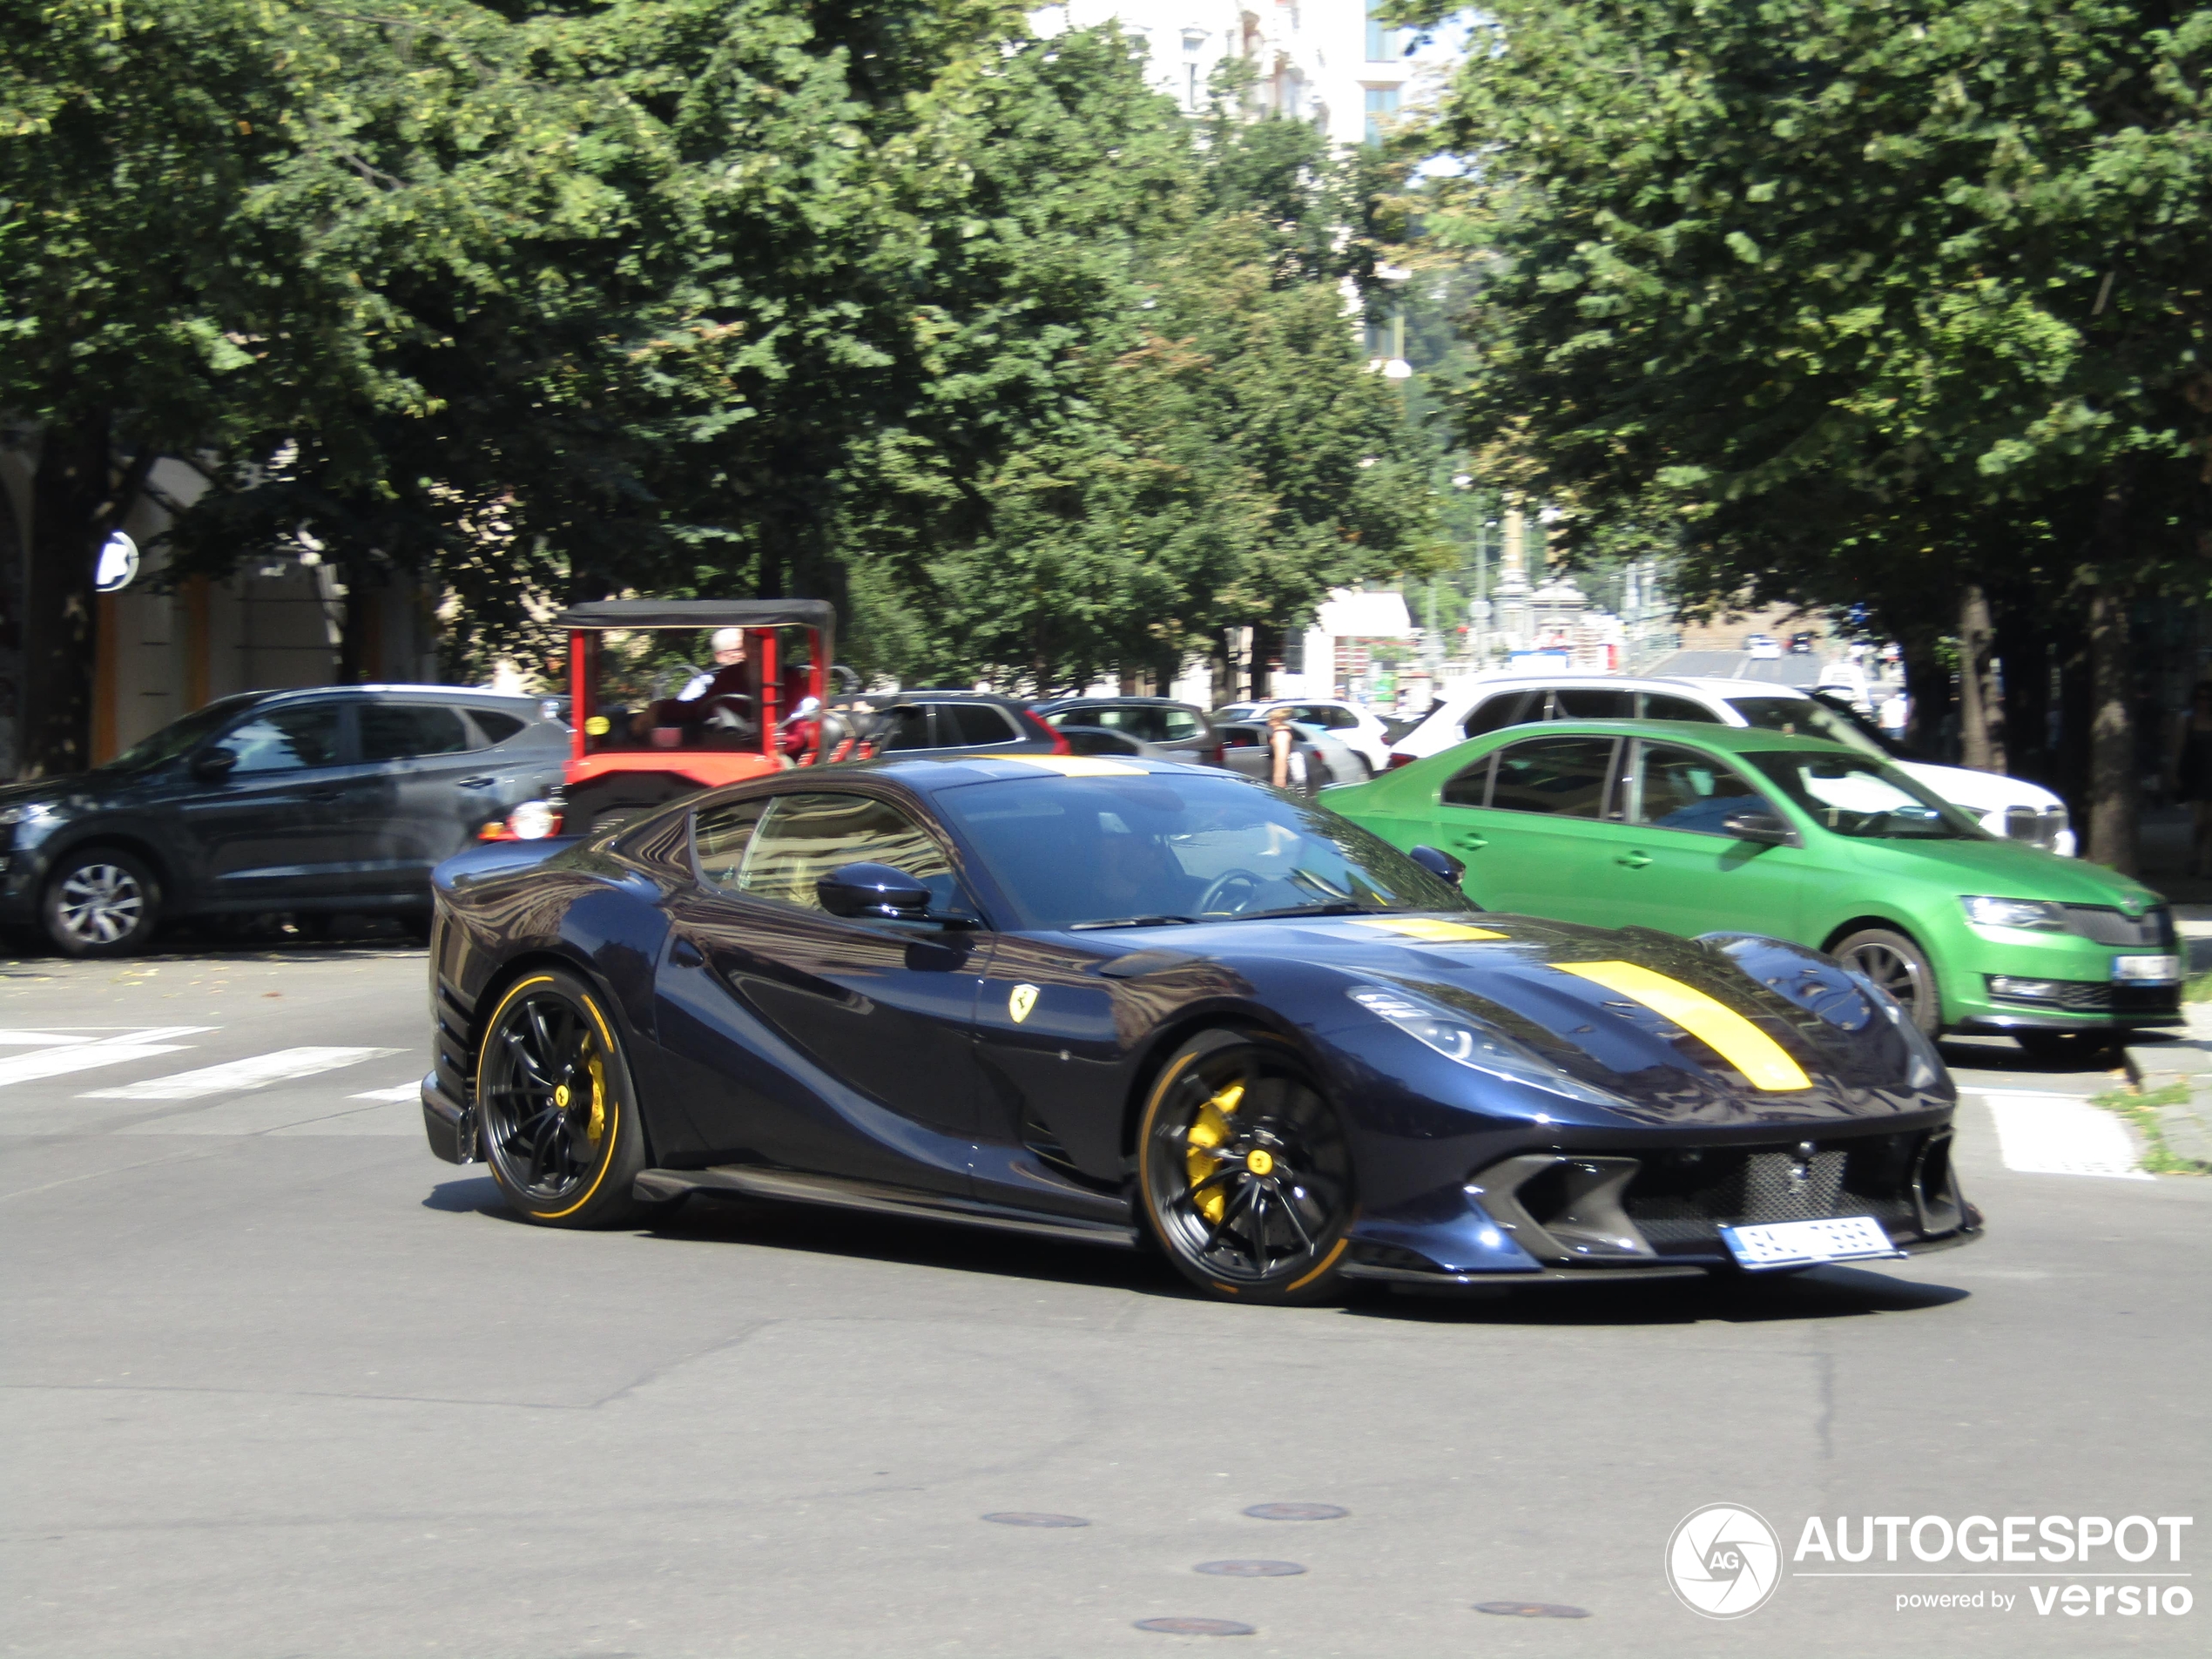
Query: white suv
column 2008, row 807
column 1347, row 723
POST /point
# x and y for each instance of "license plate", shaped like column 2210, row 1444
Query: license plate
column 1802, row 1244
column 2136, row 970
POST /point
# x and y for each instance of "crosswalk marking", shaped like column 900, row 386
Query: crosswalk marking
column 2061, row 1134
column 68, row 1052
column 397, row 1091
column 257, row 1071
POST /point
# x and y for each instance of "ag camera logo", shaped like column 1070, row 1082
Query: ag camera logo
column 1723, row 1562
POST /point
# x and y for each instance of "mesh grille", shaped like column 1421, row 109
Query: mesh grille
column 2152, row 930
column 1679, row 1202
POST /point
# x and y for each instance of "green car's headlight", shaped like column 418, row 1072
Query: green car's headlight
column 2037, row 913
column 1474, row 1045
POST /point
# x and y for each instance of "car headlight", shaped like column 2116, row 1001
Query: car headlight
column 2037, row 913
column 1473, row 1045
column 1924, row 1066
column 11, row 816
column 533, row 821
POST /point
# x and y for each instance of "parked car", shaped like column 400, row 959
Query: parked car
column 1348, row 722
column 1715, row 829
column 317, row 801
column 1101, row 740
column 1319, row 759
column 1801, row 642
column 898, row 722
column 2008, row 807
column 1177, row 731
column 1760, row 646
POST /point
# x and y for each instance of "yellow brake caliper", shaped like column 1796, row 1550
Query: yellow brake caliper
column 1211, row 1130
column 598, row 1124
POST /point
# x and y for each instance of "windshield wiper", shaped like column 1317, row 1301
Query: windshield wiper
column 1128, row 921
column 1342, row 908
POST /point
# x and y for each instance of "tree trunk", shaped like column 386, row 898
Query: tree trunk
column 1981, row 710
column 72, row 510
column 1927, row 683
column 2112, row 783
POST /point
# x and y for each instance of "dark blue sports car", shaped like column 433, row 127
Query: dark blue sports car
column 1115, row 1000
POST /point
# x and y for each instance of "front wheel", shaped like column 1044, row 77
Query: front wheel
column 101, row 903
column 1900, row 967
column 1244, row 1171
column 556, row 1111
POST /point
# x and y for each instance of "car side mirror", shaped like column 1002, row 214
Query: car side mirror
column 1437, row 861
column 1762, row 827
column 874, row 890
column 212, row 765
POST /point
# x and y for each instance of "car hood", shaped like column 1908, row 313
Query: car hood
column 2002, row 869
column 1982, row 791
column 1511, row 972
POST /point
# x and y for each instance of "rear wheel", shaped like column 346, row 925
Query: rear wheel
column 1899, row 967
column 101, row 903
column 555, row 1105
column 1244, row 1171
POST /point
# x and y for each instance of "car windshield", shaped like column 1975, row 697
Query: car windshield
column 1867, row 799
column 1806, row 717
column 1235, row 712
column 181, row 737
column 1122, row 848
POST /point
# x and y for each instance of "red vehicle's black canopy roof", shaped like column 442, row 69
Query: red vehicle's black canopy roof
column 701, row 613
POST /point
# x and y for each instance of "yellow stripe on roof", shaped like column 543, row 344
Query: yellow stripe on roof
column 1757, row 1056
column 1071, row 766
column 1426, row 928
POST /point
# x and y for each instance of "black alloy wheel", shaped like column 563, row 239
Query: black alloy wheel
column 555, row 1111
column 1244, row 1171
column 101, row 903
column 1900, row 967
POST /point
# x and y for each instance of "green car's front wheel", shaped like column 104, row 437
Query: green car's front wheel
column 1899, row 967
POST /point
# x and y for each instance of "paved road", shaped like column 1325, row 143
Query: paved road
column 279, row 1383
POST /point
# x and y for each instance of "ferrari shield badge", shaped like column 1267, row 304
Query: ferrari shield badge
column 1020, row 1001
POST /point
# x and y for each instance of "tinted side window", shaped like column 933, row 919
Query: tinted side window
column 961, row 724
column 285, row 739
column 1658, row 707
column 805, row 837
column 1558, row 777
column 496, row 727
column 1240, row 737
column 1180, row 726
column 1588, row 703
column 1681, row 789
column 1499, row 711
column 904, row 727
column 719, row 836
column 400, row 731
column 1471, row 787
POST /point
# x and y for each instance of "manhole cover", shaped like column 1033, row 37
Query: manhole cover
column 1531, row 1610
column 1250, row 1569
column 1027, row 1518
column 1296, row 1512
column 1196, row 1627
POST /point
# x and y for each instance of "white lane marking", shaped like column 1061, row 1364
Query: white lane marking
column 64, row 1058
column 38, row 1039
column 257, row 1071
column 397, row 1091
column 2062, row 1135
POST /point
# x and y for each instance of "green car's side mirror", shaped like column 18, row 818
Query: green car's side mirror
column 1762, row 827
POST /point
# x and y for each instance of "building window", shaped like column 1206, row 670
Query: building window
column 1382, row 109
column 1384, row 42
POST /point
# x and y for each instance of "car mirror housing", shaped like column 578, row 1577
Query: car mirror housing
column 211, row 766
column 1762, row 827
column 1438, row 862
column 875, row 890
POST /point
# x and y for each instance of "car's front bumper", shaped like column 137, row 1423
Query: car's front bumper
column 2086, row 996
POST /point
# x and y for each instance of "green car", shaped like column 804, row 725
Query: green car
column 1699, row 829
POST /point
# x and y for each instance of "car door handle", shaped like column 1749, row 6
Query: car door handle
column 1473, row 843
column 1633, row 861
column 684, row 953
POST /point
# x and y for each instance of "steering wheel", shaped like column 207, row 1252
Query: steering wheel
column 1228, row 881
column 730, row 712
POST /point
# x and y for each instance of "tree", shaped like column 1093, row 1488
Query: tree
column 1884, row 301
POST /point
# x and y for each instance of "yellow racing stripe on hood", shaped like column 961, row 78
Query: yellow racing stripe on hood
column 1757, row 1056
column 1426, row 928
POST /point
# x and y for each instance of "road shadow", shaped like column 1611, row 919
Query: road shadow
column 273, row 938
column 2003, row 1055
column 716, row 1218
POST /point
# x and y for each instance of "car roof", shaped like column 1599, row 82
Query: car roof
column 925, row 772
column 1711, row 685
column 1739, row 739
column 1115, row 697
column 452, row 693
